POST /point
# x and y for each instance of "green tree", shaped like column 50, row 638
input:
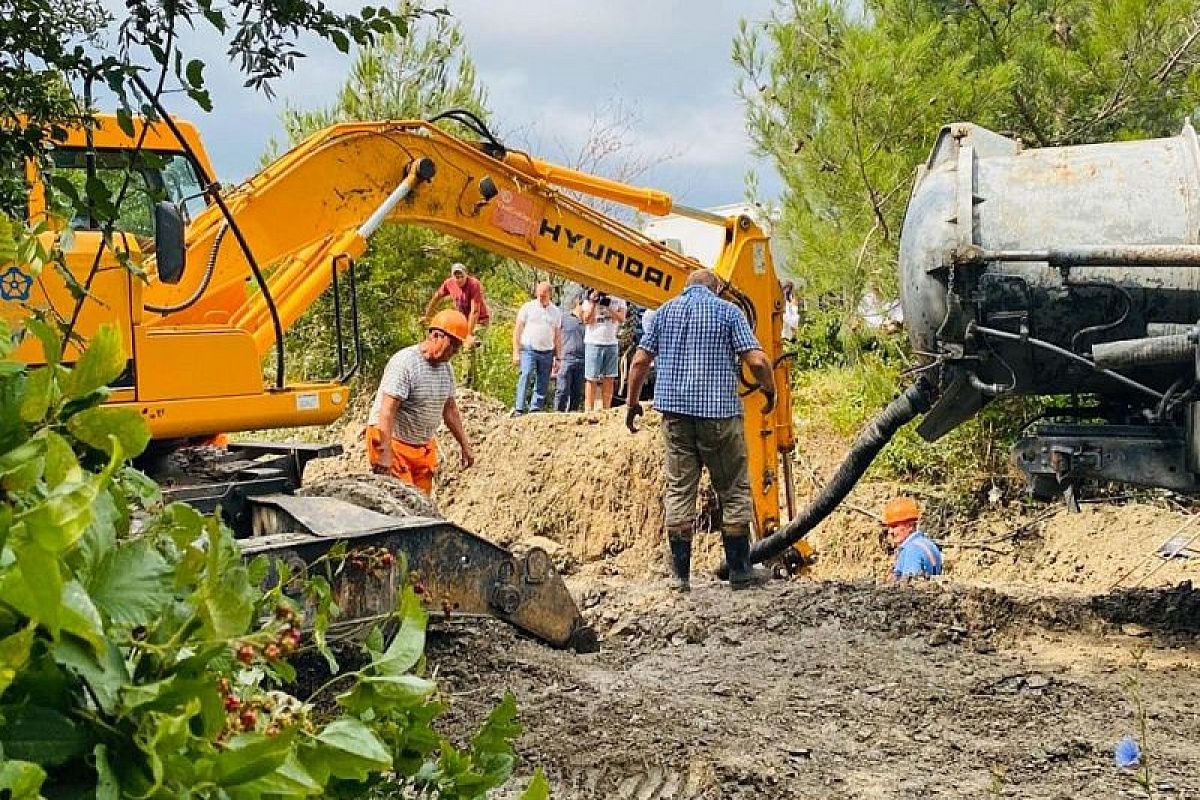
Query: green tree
column 409, row 75
column 846, row 97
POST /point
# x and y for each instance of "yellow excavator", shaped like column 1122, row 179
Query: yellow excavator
column 228, row 270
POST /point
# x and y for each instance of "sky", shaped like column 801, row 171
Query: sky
column 551, row 69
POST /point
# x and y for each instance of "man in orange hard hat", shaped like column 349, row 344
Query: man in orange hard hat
column 416, row 395
column 916, row 554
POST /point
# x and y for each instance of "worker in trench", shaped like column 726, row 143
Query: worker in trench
column 698, row 341
column 917, row 556
column 416, row 395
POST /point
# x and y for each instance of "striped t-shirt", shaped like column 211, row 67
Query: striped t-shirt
column 422, row 389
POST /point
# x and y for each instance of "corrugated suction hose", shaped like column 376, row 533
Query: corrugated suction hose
column 914, row 401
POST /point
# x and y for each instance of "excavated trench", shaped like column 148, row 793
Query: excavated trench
column 1014, row 675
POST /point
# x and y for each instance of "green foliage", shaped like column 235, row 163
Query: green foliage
column 408, row 74
column 144, row 660
column 490, row 363
column 846, row 98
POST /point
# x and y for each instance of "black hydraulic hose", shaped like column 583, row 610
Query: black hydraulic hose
column 215, row 194
column 209, row 269
column 914, row 401
column 471, row 120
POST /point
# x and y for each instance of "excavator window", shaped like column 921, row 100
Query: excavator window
column 156, row 177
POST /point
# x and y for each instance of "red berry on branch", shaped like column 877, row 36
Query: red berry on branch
column 232, row 703
column 271, row 651
column 248, row 719
column 245, row 654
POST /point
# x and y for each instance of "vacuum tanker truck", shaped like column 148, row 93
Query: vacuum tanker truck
column 1067, row 272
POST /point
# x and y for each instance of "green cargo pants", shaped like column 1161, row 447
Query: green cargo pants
column 718, row 445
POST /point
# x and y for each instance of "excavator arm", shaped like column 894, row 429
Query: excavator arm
column 196, row 346
column 311, row 213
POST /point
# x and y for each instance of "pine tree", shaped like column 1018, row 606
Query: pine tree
column 413, row 75
column 846, row 99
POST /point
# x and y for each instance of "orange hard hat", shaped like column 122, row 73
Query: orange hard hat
column 450, row 322
column 901, row 509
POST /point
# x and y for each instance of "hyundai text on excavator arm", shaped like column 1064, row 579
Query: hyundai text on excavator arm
column 253, row 259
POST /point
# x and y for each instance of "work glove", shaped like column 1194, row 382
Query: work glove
column 632, row 412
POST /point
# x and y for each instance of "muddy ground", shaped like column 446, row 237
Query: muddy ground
column 1014, row 675
column 834, row 690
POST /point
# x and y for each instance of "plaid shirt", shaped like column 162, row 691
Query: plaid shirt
column 696, row 339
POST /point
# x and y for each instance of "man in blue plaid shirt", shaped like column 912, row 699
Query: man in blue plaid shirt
column 698, row 342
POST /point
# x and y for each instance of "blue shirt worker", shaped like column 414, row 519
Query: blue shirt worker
column 916, row 554
column 699, row 342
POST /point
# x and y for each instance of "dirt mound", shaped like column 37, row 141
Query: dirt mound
column 588, row 492
column 376, row 492
column 581, row 481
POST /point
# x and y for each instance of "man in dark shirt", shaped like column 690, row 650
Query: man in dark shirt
column 568, row 389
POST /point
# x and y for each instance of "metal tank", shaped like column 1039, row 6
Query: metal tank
column 1062, row 271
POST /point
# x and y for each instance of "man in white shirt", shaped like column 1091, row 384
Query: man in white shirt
column 602, row 316
column 537, row 345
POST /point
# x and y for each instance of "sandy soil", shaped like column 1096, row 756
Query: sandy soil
column 1012, row 676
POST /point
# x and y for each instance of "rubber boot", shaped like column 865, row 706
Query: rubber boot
column 681, row 563
column 737, row 555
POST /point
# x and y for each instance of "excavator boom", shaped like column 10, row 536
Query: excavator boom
column 335, row 188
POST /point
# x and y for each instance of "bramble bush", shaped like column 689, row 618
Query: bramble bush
column 140, row 656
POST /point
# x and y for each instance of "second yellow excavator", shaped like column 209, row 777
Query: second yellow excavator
column 228, row 271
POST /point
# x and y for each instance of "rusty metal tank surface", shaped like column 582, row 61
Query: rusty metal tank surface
column 981, row 194
column 1059, row 271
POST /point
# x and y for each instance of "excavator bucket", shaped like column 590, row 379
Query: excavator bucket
column 458, row 572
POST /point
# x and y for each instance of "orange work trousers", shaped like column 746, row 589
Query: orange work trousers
column 411, row 463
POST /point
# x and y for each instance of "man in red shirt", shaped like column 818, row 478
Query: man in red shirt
column 466, row 292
